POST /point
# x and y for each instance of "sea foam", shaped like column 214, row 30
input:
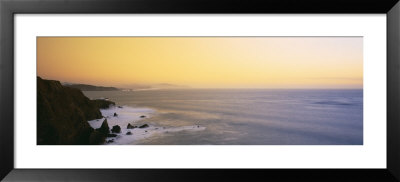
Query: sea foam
column 129, row 115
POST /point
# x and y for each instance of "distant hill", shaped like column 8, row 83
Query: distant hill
column 130, row 87
column 84, row 87
column 169, row 86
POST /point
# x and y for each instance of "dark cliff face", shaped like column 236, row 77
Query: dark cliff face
column 62, row 115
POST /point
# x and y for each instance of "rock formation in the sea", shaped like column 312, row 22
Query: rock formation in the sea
column 130, row 126
column 144, row 126
column 128, row 133
column 116, row 129
column 115, row 114
column 62, row 115
column 110, row 141
column 142, row 116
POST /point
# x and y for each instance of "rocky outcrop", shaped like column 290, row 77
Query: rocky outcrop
column 102, row 104
column 62, row 115
column 110, row 141
column 104, row 128
column 116, row 129
column 144, row 126
column 130, row 126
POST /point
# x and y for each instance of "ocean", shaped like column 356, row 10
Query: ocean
column 237, row 116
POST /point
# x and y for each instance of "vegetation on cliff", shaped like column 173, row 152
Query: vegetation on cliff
column 62, row 115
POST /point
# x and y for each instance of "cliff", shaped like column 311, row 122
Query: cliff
column 62, row 115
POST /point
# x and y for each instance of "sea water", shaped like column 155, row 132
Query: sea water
column 242, row 116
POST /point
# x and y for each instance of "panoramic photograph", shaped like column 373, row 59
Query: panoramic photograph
column 199, row 91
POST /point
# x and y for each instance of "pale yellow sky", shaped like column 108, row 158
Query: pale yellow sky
column 204, row 62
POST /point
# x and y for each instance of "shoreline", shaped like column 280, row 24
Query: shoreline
column 139, row 129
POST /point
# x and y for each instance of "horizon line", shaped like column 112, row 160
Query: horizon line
column 184, row 87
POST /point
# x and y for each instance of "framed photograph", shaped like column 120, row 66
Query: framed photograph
column 154, row 90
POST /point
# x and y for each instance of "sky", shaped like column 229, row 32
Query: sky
column 204, row 62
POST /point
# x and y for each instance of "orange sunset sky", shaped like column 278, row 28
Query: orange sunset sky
column 204, row 62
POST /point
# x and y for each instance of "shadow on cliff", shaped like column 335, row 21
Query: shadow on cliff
column 62, row 115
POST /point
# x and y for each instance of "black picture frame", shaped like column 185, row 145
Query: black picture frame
column 9, row 8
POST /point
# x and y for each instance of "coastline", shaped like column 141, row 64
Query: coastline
column 69, row 116
column 136, row 118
